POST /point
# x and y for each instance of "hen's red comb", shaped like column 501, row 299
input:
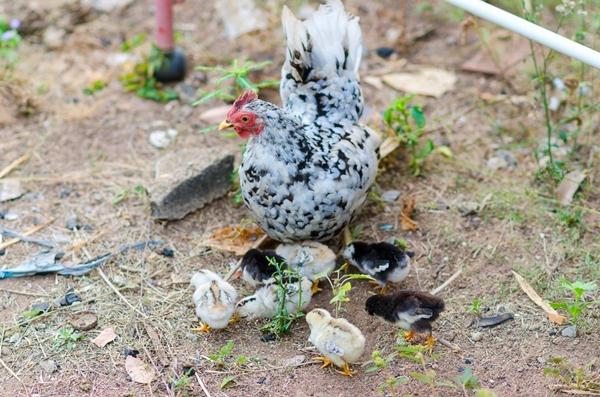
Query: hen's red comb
column 245, row 98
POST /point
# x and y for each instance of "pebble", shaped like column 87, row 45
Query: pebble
column 390, row 196
column 167, row 252
column 162, row 138
column 294, row 361
column 476, row 336
column 9, row 216
column 42, row 306
column 570, row 331
column 468, row 208
column 268, row 337
column 385, row 52
column 128, row 351
column 69, row 299
column 10, row 189
column 502, row 159
column 84, row 321
column 49, row 366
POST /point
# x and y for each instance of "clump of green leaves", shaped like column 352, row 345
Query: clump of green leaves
column 133, row 42
column 224, row 352
column 234, row 79
column 142, row 81
column 466, row 380
column 572, row 377
column 407, row 122
column 341, row 286
column 416, row 353
column 282, row 322
column 67, row 337
column 379, row 362
column 138, row 191
column 181, row 384
column 93, row 88
column 578, row 304
column 475, row 307
column 9, row 42
column 391, row 384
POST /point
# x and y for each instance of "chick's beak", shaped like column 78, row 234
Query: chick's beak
column 225, row 125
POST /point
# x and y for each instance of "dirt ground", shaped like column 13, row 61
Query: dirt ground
column 85, row 150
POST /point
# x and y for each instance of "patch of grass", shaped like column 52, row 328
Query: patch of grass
column 391, row 384
column 379, row 362
column 475, row 307
column 234, row 79
column 142, row 81
column 133, row 42
column 224, row 352
column 67, row 338
column 415, row 353
column 578, row 303
column 95, row 87
column 181, row 384
column 572, row 377
column 138, row 192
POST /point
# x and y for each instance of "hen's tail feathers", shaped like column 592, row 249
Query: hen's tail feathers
column 329, row 43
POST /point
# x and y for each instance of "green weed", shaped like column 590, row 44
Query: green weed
column 578, row 304
column 9, row 43
column 572, row 377
column 67, row 337
column 142, row 81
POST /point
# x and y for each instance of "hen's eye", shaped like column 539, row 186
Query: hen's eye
column 244, row 119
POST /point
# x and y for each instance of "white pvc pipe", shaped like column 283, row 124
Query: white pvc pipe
column 530, row 30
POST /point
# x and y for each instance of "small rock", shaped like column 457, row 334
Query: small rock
column 270, row 337
column 10, row 189
column 469, row 360
column 162, row 138
column 64, row 192
column 128, row 351
column 390, row 196
column 569, row 332
column 49, row 366
column 468, row 208
column 168, row 252
column 385, row 52
column 476, row 336
column 294, row 361
column 187, row 180
column 9, row 216
column 541, row 360
column 69, row 299
column 73, row 223
column 42, row 306
column 84, row 321
column 262, row 380
column 54, row 37
column 502, row 159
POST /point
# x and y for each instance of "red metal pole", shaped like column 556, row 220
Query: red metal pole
column 164, row 24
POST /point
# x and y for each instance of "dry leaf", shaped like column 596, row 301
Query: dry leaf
column 105, row 337
column 408, row 207
column 138, row 370
column 215, row 115
column 569, row 185
column 426, row 81
column 236, row 239
column 552, row 314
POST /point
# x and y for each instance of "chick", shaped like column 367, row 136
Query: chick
column 308, row 258
column 263, row 303
column 255, row 268
column 214, row 299
column 411, row 310
column 339, row 341
column 383, row 261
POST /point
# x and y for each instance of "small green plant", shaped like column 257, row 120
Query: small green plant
column 32, row 313
column 341, row 286
column 379, row 362
column 407, row 122
column 227, row 381
column 96, row 86
column 466, row 380
column 578, row 289
column 573, row 377
column 475, row 307
column 391, row 384
column 67, row 337
column 224, row 352
column 181, row 384
column 9, row 42
column 572, row 218
column 234, row 79
column 133, row 42
column 142, row 80
column 138, row 192
column 416, row 353
column 282, row 322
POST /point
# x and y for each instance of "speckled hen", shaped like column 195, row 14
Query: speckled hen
column 308, row 165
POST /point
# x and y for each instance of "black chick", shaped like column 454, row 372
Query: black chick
column 383, row 261
column 411, row 310
column 255, row 268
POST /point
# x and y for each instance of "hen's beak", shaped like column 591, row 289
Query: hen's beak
column 225, row 125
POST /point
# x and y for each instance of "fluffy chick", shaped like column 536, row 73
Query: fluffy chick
column 263, row 303
column 411, row 310
column 308, row 258
column 339, row 341
column 255, row 268
column 383, row 261
column 214, row 299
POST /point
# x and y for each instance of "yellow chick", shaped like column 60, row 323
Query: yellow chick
column 339, row 342
column 309, row 258
column 214, row 299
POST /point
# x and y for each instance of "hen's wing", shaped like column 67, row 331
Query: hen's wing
column 319, row 76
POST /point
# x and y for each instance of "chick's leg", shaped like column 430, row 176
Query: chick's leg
column 380, row 289
column 346, row 371
column 315, row 287
column 410, row 336
column 202, row 327
column 430, row 342
column 234, row 319
column 326, row 362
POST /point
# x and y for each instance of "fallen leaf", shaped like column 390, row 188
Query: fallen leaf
column 215, row 115
column 569, row 185
column 426, row 81
column 236, row 239
column 104, row 338
column 138, row 370
column 507, row 50
column 10, row 189
column 552, row 314
column 84, row 321
column 408, row 207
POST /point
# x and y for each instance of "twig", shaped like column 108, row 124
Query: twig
column 116, row 291
column 538, row 300
column 10, row 371
column 256, row 244
column 12, row 291
column 202, row 385
column 447, row 282
column 449, row 345
column 9, row 168
column 11, row 233
column 29, row 232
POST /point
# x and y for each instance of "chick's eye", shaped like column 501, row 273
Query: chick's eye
column 244, row 119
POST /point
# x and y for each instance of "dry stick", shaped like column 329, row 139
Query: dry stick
column 538, row 300
column 10, row 371
column 447, row 282
column 116, row 291
column 29, row 232
column 12, row 291
column 202, row 385
column 9, row 168
column 256, row 244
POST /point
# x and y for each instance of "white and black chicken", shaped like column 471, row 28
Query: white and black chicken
column 308, row 164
